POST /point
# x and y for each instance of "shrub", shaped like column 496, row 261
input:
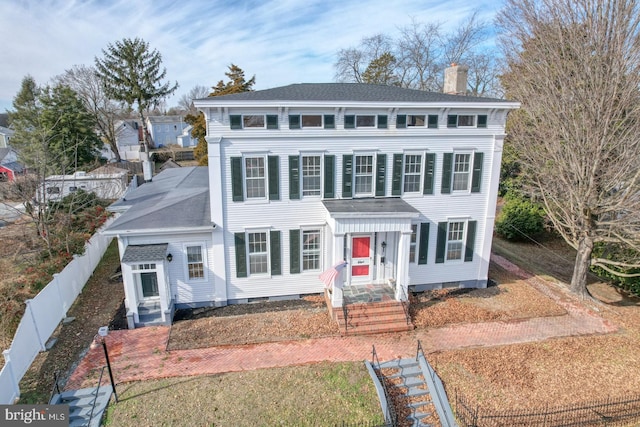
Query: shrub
column 520, row 218
column 614, row 252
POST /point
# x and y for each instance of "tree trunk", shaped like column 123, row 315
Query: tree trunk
column 581, row 267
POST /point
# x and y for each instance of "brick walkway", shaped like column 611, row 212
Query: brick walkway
column 140, row 354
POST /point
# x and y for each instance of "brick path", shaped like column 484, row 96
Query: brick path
column 140, row 354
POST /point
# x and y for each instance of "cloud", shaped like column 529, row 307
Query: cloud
column 281, row 42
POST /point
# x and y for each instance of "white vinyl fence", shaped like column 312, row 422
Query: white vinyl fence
column 44, row 312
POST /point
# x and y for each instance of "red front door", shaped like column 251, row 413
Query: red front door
column 361, row 257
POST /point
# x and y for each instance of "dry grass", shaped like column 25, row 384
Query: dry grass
column 322, row 394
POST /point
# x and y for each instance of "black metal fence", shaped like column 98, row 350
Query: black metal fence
column 608, row 412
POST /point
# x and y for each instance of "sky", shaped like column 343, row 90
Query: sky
column 279, row 41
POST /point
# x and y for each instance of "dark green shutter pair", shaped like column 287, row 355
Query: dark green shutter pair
column 452, row 121
column 441, row 245
column 241, row 253
column 347, row 175
column 236, row 121
column 329, row 177
column 432, row 121
column 273, row 177
column 398, row 171
column 447, row 172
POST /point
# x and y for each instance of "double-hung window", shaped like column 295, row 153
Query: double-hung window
column 363, row 175
column 311, row 176
column 311, row 250
column 195, row 262
column 412, row 173
column 258, row 252
column 255, row 177
column 455, row 242
column 461, row 171
column 413, row 243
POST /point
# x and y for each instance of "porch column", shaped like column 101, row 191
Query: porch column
column 338, row 283
column 161, row 277
column 403, row 265
column 130, row 295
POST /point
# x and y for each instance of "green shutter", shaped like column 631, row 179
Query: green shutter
column 441, row 244
column 423, row 249
column 294, row 251
column 329, row 177
column 329, row 121
column 347, row 175
column 433, row 121
column 235, row 121
column 237, row 184
column 276, row 253
column 401, row 121
column 274, row 177
column 382, row 121
column 471, row 240
column 396, row 180
column 272, row 121
column 447, row 164
column 482, row 121
column 294, row 177
column 429, row 173
column 241, row 255
column 294, row 122
column 452, row 121
column 349, row 122
column 476, row 178
column 381, row 173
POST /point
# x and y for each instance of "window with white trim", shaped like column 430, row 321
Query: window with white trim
column 461, row 171
column 255, row 177
column 253, row 121
column 363, row 175
column 311, row 250
column 455, row 240
column 412, row 173
column 311, row 175
column 413, row 244
column 415, row 120
column 258, row 252
column 195, row 262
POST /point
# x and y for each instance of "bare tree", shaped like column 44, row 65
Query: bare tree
column 353, row 62
column 457, row 45
column 483, row 76
column 185, row 102
column 575, row 67
column 419, row 61
column 85, row 82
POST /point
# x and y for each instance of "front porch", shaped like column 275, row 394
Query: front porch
column 369, row 309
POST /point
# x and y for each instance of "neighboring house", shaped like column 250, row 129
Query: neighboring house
column 185, row 139
column 5, row 136
column 128, row 137
column 401, row 184
column 167, row 130
column 106, row 182
column 10, row 168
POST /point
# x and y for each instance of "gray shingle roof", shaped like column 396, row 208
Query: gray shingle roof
column 145, row 253
column 359, row 92
column 175, row 198
column 387, row 205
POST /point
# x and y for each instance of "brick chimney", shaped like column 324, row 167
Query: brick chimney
column 455, row 79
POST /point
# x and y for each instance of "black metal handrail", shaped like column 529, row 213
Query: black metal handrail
column 95, row 398
column 405, row 303
column 56, row 386
column 419, row 350
column 345, row 313
column 391, row 410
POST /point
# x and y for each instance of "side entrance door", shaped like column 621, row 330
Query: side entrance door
column 361, row 259
column 149, row 285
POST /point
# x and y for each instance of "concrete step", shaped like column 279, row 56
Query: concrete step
column 415, row 392
column 407, row 372
column 411, row 382
column 400, row 364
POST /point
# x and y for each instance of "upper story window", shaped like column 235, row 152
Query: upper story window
column 311, row 121
column 255, row 177
column 416, row 120
column 462, row 172
column 311, row 176
column 363, row 175
column 466, row 121
column 365, row 121
column 253, row 121
column 412, row 173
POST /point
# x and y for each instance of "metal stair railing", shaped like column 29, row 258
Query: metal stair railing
column 95, row 398
column 375, row 362
column 436, row 388
column 56, row 386
column 405, row 303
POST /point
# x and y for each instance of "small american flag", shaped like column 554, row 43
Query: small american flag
column 328, row 276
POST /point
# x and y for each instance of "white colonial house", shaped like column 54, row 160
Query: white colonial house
column 380, row 188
